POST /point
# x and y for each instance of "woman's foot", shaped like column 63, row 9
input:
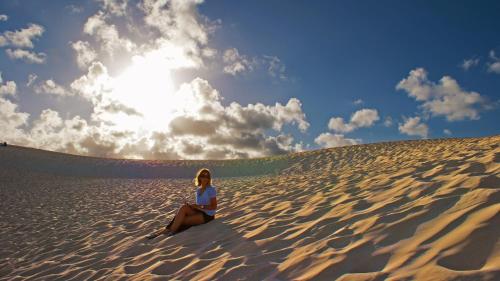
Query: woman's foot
column 152, row 235
column 158, row 233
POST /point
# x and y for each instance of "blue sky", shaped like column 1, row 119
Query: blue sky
column 231, row 79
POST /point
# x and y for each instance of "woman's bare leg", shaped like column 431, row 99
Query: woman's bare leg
column 185, row 209
column 183, row 212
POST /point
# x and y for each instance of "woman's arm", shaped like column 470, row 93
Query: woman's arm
column 196, row 206
column 212, row 206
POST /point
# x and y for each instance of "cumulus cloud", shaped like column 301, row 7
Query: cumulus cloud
column 204, row 130
column 97, row 87
column 236, row 63
column 117, row 107
column 494, row 66
column 94, row 83
column 107, row 34
column 240, row 129
column 7, row 88
column 27, row 56
column 361, row 118
column 224, row 131
column 177, row 19
column 173, row 28
column 139, row 114
column 445, row 98
column 447, row 132
column 333, row 140
column 11, row 121
column 22, row 38
column 52, row 88
column 469, row 63
column 51, row 132
column 85, row 54
column 3, row 17
column 180, row 24
column 413, row 127
column 116, row 7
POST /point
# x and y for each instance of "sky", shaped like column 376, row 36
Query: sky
column 193, row 79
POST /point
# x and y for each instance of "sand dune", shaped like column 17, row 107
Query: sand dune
column 407, row 210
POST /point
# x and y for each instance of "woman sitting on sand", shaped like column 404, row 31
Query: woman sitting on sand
column 194, row 214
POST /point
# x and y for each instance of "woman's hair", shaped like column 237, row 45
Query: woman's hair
column 197, row 181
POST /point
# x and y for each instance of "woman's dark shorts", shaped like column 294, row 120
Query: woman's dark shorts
column 206, row 217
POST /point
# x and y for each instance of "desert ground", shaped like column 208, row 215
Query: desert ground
column 404, row 210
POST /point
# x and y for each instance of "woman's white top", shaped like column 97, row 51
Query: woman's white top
column 204, row 199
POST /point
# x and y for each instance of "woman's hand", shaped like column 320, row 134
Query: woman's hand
column 196, row 206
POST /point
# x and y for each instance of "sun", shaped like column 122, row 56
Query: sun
column 146, row 87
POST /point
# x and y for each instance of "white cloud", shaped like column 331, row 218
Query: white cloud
column 94, row 84
column 361, row 118
column 52, row 88
column 74, row 9
column 225, row 132
column 251, row 118
column 493, row 55
column 388, row 121
column 413, row 127
column 10, row 122
column 417, row 85
column 48, row 121
column 85, row 54
column 180, row 24
column 22, row 38
column 209, row 52
column 364, row 118
column 107, row 34
column 495, row 65
column 7, row 88
column 139, row 113
column 181, row 34
column 178, row 20
column 333, row 140
column 180, row 121
column 444, row 98
column 358, row 101
column 31, row 79
column 338, row 124
column 50, row 131
column 4, row 17
column 468, row 63
column 27, row 56
column 116, row 7
column 275, row 68
column 236, row 63
column 447, row 132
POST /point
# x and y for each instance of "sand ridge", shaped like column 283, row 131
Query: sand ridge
column 407, row 210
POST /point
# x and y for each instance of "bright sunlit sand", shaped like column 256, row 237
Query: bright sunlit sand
column 405, row 210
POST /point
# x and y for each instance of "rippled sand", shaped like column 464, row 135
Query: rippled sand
column 408, row 210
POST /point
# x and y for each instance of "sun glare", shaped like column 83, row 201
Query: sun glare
column 146, row 87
